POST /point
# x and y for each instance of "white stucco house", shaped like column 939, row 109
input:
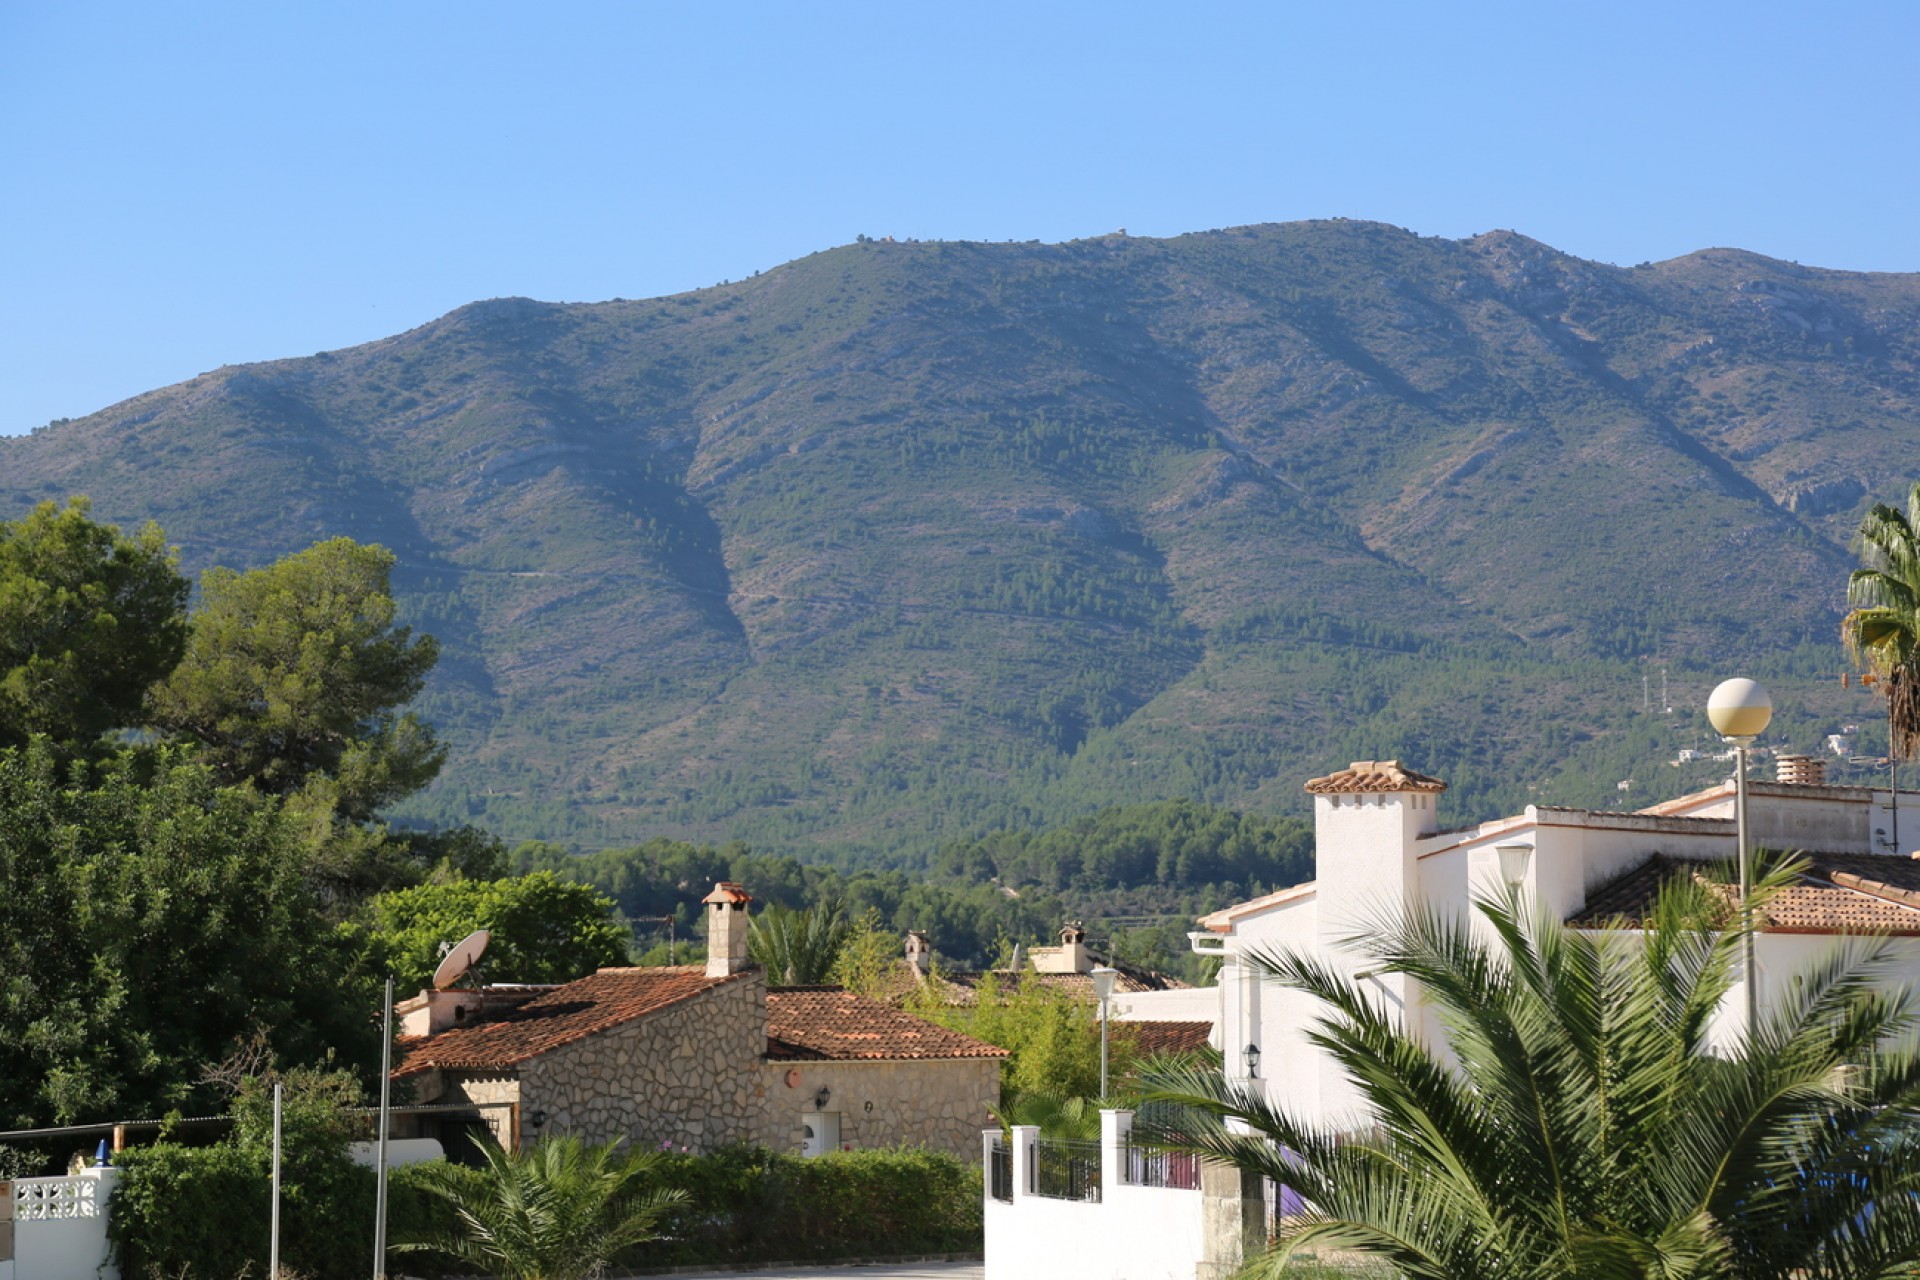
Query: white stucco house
column 1379, row 845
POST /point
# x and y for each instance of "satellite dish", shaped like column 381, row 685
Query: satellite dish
column 463, row 956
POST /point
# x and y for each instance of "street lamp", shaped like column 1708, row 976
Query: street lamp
column 1103, row 980
column 1740, row 710
column 1513, row 863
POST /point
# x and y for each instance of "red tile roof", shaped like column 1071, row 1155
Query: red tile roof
column 1156, row 1037
column 832, row 1025
column 728, row 891
column 558, row 1017
column 1838, row 893
column 1374, row 775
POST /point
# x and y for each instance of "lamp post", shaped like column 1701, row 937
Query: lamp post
column 1103, row 980
column 1513, row 863
column 1740, row 710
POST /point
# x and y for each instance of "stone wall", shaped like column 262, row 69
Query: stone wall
column 492, row 1087
column 691, row 1074
column 939, row 1104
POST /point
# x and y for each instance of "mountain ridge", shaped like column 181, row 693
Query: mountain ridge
column 899, row 541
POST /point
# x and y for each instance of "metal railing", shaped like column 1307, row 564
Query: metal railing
column 1146, row 1167
column 1000, row 1171
column 1066, row 1170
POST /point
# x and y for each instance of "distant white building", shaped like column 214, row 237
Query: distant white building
column 1840, row 744
column 1379, row 847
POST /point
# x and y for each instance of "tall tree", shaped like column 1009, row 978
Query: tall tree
column 1576, row 1124
column 149, row 918
column 89, row 619
column 297, row 669
column 544, row 929
column 1883, row 626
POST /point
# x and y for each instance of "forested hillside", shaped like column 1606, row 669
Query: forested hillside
column 901, row 544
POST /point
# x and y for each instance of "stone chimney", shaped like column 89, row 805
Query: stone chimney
column 919, row 952
column 726, row 929
column 1804, row 771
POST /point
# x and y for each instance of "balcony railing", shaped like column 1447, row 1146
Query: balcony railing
column 1066, row 1170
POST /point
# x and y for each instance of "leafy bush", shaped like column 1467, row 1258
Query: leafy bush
column 203, row 1213
column 747, row 1204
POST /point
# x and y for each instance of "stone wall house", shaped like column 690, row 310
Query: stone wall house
column 698, row 1058
column 846, row 1071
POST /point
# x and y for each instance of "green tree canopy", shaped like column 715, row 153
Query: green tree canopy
column 544, row 929
column 89, row 620
column 1576, row 1122
column 297, row 669
column 149, row 918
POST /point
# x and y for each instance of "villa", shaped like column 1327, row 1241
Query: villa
column 1380, row 846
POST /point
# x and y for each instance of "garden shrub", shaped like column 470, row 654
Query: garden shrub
column 748, row 1204
column 203, row 1213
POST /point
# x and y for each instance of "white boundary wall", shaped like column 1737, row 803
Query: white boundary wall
column 58, row 1228
column 1131, row 1233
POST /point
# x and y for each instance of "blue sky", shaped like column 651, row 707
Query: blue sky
column 190, row 185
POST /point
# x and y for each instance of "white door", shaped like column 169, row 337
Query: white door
column 822, row 1132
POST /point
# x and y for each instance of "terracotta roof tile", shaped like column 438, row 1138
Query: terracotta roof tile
column 1838, row 893
column 728, row 891
column 1157, row 1037
column 830, row 1024
column 558, row 1017
column 1373, row 775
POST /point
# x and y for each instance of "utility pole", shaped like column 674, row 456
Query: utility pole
column 380, row 1155
column 273, row 1242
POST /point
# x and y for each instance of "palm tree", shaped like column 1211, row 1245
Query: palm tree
column 1883, row 626
column 798, row 948
column 1579, row 1126
column 559, row 1210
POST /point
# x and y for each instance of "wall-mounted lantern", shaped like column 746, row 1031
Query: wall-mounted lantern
column 821, row 1098
column 1253, row 1061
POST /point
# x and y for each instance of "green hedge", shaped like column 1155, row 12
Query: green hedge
column 202, row 1213
column 747, row 1204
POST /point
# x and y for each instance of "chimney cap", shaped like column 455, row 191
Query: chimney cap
column 726, row 891
column 1374, row 776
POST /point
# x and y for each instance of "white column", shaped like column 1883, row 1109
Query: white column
column 1115, row 1126
column 1024, row 1136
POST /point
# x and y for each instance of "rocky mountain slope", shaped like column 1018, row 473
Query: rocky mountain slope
column 904, row 541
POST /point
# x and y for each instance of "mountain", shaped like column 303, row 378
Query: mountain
column 902, row 542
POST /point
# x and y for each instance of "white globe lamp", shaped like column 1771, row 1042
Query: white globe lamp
column 1740, row 708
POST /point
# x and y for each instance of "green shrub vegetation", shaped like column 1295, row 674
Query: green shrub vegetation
column 202, row 1212
column 747, row 1204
